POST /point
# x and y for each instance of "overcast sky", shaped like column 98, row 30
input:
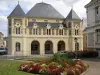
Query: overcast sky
column 63, row 6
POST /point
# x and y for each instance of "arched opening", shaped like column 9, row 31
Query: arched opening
column 76, row 46
column 35, row 47
column 17, row 46
column 48, row 47
column 61, row 46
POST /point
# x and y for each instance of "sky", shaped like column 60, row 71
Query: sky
column 63, row 6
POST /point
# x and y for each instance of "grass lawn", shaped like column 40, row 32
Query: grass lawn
column 10, row 67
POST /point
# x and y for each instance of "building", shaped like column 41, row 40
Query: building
column 43, row 30
column 93, row 25
column 2, row 41
column 84, row 42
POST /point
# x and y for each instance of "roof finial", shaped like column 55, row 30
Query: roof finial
column 18, row 2
column 72, row 6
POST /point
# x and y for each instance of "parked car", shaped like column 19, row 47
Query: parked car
column 3, row 51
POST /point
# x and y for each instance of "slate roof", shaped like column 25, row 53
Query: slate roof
column 72, row 15
column 44, row 10
column 17, row 12
column 44, row 24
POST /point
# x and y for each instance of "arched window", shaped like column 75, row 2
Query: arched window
column 76, row 46
column 17, row 46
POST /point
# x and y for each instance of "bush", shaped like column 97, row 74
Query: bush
column 78, row 54
column 3, row 53
column 90, row 54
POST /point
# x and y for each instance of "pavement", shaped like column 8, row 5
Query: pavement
column 94, row 66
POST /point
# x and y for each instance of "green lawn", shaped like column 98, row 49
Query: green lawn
column 10, row 67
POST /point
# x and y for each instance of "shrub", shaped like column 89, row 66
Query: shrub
column 54, row 68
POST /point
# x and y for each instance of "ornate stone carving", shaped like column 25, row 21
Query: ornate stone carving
column 17, row 22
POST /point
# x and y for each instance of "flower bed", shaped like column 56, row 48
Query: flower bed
column 54, row 68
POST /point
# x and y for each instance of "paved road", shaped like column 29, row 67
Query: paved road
column 94, row 66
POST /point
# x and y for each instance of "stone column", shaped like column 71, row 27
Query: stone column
column 55, row 43
column 42, row 49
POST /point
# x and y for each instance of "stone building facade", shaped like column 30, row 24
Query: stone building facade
column 93, row 25
column 43, row 30
column 2, row 41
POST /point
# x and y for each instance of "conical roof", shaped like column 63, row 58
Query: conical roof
column 17, row 12
column 72, row 15
column 44, row 10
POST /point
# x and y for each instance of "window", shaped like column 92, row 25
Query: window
column 17, row 46
column 56, row 31
column 25, row 30
column 48, row 32
column 39, row 31
column 98, row 35
column 47, row 47
column 33, row 31
column 17, row 30
column 76, row 32
column 36, row 31
column 9, row 22
column 69, row 32
column 61, row 32
column 30, row 31
column 76, row 46
column 44, row 31
column 52, row 31
column 97, row 10
column 65, row 32
column 9, row 30
column 69, row 24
